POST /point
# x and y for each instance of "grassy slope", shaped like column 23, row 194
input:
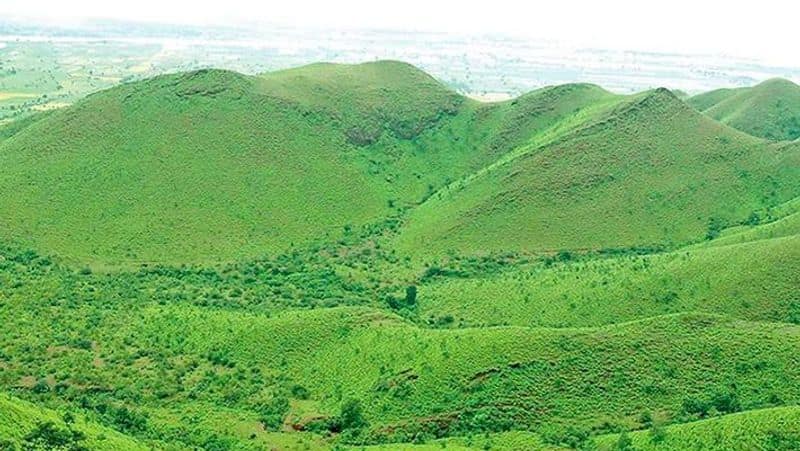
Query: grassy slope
column 501, row 441
column 651, row 172
column 768, row 429
column 466, row 380
column 201, row 371
column 748, row 279
column 203, row 166
column 748, row 272
column 769, row 110
column 186, row 167
column 18, row 418
column 213, row 165
column 785, row 222
column 706, row 100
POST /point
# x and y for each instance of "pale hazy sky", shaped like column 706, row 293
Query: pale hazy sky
column 764, row 29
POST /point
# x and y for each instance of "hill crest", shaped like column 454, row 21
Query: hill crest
column 632, row 166
column 768, row 110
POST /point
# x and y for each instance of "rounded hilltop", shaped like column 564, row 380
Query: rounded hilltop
column 769, row 110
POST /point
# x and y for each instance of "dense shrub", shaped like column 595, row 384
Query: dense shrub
column 48, row 436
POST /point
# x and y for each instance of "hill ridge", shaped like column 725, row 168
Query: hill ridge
column 644, row 130
column 770, row 109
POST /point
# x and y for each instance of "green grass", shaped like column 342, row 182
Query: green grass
column 501, row 441
column 651, row 172
column 768, row 429
column 769, row 110
column 18, row 418
column 150, row 355
column 625, row 288
column 215, row 166
column 593, row 291
column 415, row 381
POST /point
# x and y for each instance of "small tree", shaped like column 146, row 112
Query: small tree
column 715, row 227
column 351, row 415
column 411, row 296
column 624, row 443
column 657, row 433
column 273, row 412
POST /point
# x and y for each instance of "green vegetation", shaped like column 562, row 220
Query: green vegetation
column 635, row 176
column 356, row 257
column 768, row 429
column 769, row 110
column 25, row 426
column 591, row 292
column 149, row 357
column 214, row 166
column 501, row 441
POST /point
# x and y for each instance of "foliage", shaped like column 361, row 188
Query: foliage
column 47, row 436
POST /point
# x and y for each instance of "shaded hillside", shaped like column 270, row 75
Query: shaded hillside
column 651, row 172
column 769, row 110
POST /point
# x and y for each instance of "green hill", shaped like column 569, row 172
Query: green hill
column 189, row 361
column 622, row 288
column 408, row 379
column 706, row 100
column 195, row 373
column 769, row 110
column 768, row 429
column 198, row 166
column 215, row 166
column 412, row 381
column 27, row 426
column 652, row 171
